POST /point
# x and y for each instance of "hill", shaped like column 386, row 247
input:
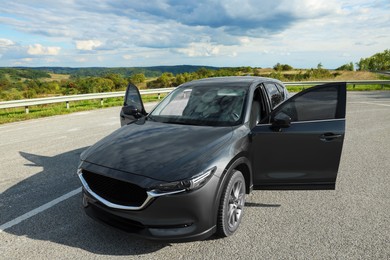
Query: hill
column 153, row 71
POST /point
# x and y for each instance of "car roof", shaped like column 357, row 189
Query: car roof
column 243, row 81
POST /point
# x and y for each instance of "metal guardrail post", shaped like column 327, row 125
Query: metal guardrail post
column 101, row 102
column 67, row 104
column 26, row 109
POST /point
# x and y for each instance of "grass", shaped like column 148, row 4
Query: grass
column 19, row 114
column 56, row 77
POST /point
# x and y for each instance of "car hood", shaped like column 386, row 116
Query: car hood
column 165, row 152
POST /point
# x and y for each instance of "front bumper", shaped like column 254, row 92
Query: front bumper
column 184, row 216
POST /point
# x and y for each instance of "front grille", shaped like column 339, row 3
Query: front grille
column 115, row 191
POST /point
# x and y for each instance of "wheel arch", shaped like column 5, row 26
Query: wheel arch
column 242, row 164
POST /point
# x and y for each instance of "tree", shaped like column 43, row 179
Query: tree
column 378, row 61
column 278, row 67
column 137, row 78
column 118, row 80
column 286, row 67
column 348, row 66
column 282, row 67
column 204, row 73
column 164, row 81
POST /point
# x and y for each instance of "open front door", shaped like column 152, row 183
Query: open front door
column 133, row 107
column 300, row 147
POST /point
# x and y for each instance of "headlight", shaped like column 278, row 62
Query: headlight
column 195, row 183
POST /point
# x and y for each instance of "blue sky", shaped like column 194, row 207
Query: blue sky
column 127, row 33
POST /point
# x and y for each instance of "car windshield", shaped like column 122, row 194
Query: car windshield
column 210, row 105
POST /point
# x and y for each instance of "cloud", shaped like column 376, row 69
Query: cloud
column 127, row 57
column 207, row 31
column 200, row 49
column 80, row 59
column 160, row 23
column 88, row 45
column 236, row 17
column 5, row 42
column 38, row 49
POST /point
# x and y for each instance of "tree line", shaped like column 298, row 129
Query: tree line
column 12, row 88
column 377, row 62
column 20, row 83
column 280, row 71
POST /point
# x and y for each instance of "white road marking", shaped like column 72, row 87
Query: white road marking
column 60, row 137
column 73, row 129
column 366, row 110
column 39, row 209
column 371, row 103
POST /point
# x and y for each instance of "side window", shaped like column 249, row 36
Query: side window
column 256, row 109
column 281, row 90
column 133, row 97
column 274, row 94
column 316, row 105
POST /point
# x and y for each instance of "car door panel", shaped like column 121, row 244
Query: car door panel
column 305, row 155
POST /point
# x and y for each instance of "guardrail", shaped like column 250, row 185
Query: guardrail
column 26, row 103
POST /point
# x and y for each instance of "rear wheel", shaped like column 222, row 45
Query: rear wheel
column 231, row 205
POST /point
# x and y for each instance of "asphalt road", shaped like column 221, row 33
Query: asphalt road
column 38, row 161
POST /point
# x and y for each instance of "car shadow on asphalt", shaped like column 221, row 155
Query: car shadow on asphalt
column 65, row 223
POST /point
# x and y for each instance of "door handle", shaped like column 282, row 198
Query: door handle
column 329, row 137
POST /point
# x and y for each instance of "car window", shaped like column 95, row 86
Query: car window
column 133, row 98
column 274, row 94
column 315, row 105
column 281, row 90
column 203, row 105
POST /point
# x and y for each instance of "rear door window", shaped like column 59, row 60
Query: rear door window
column 274, row 95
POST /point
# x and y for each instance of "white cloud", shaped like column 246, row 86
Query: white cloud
column 127, row 57
column 200, row 50
column 233, row 54
column 205, row 32
column 88, row 45
column 38, row 49
column 6, row 42
column 244, row 40
column 80, row 59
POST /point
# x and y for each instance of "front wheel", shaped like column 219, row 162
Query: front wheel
column 231, row 205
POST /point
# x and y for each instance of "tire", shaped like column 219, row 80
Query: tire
column 231, row 205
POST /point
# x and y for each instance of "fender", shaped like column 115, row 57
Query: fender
column 239, row 159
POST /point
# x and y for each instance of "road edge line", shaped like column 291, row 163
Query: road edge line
column 38, row 210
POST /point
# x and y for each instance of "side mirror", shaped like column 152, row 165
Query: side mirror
column 280, row 120
column 131, row 111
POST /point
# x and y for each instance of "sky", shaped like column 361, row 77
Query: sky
column 222, row 33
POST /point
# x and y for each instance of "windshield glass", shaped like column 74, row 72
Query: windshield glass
column 211, row 105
